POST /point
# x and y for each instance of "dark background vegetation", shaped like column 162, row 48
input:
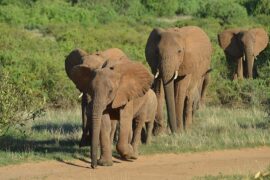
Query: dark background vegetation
column 36, row 35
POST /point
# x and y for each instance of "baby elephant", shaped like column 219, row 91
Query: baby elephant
column 144, row 114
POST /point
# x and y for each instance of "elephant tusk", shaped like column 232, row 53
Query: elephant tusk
column 80, row 95
column 244, row 57
column 157, row 74
column 176, row 75
column 255, row 57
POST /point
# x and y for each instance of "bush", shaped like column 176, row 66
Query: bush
column 17, row 104
column 188, row 7
column 161, row 7
column 262, row 7
column 225, row 10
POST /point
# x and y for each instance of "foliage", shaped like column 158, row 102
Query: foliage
column 161, row 7
column 189, row 7
column 17, row 104
column 262, row 7
column 36, row 35
column 225, row 10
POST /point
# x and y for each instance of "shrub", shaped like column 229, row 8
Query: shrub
column 262, row 7
column 188, row 7
column 225, row 10
column 17, row 104
column 161, row 7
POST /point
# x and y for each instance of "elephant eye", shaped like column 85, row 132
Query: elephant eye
column 112, row 68
column 179, row 51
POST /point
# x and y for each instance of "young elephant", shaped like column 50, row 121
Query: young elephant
column 119, row 91
column 145, row 116
column 79, row 58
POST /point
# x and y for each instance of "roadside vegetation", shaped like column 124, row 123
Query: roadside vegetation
column 56, row 135
column 36, row 35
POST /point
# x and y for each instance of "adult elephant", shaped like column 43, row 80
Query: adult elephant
column 241, row 47
column 80, row 58
column 119, row 91
column 180, row 59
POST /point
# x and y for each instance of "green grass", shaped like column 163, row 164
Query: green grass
column 217, row 128
column 57, row 134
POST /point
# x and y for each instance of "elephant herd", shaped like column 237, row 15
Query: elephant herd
column 119, row 92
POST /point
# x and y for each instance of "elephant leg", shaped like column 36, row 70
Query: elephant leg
column 123, row 145
column 240, row 68
column 86, row 123
column 105, row 142
column 203, row 90
column 188, row 109
column 137, row 134
column 83, row 106
column 159, row 125
column 150, row 126
column 113, row 129
column 180, row 95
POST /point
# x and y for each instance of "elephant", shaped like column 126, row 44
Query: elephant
column 180, row 60
column 77, row 58
column 119, row 90
column 241, row 48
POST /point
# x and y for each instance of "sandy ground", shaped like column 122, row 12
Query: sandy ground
column 156, row 167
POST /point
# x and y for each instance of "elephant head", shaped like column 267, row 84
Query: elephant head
column 113, row 86
column 244, row 43
column 176, row 52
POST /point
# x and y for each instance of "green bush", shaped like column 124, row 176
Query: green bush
column 225, row 10
column 17, row 103
column 189, row 7
column 161, row 7
column 262, row 7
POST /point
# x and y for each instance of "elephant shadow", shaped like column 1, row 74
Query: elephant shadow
column 37, row 142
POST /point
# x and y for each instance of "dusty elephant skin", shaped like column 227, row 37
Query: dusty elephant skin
column 119, row 90
column 79, row 58
column 241, row 48
column 180, row 60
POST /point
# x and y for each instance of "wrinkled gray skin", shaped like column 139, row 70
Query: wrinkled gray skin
column 79, row 58
column 241, row 48
column 180, row 60
column 118, row 91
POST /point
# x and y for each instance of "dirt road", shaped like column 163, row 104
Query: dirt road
column 156, row 167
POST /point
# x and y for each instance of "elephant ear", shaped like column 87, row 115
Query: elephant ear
column 228, row 41
column 82, row 75
column 74, row 58
column 135, row 81
column 261, row 40
column 151, row 53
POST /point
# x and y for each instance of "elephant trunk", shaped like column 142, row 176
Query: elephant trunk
column 96, row 119
column 170, row 103
column 250, row 61
column 167, row 70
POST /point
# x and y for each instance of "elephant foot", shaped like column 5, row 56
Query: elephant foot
column 126, row 152
column 134, row 155
column 104, row 162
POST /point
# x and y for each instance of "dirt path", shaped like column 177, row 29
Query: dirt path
column 157, row 167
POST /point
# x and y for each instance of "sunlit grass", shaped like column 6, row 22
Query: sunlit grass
column 57, row 134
